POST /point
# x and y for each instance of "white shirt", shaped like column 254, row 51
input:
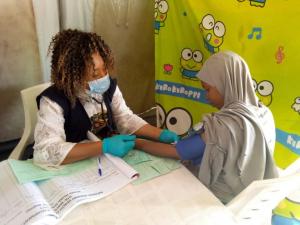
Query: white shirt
column 51, row 147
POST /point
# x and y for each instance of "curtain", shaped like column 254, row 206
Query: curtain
column 46, row 14
column 127, row 27
column 51, row 16
column 77, row 14
column 263, row 32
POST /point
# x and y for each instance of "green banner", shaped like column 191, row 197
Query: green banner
column 263, row 32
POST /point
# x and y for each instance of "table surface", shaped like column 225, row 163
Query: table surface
column 176, row 198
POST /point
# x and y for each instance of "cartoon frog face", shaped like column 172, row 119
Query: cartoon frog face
column 264, row 90
column 160, row 10
column 191, row 62
column 177, row 119
column 257, row 3
column 288, row 210
column 212, row 33
column 296, row 105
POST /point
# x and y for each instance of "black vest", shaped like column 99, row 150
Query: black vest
column 77, row 122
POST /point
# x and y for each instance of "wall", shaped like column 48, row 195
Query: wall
column 19, row 63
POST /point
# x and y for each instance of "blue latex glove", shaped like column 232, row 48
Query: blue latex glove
column 118, row 145
column 191, row 148
column 168, row 136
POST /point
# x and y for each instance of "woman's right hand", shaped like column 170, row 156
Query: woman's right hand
column 118, row 145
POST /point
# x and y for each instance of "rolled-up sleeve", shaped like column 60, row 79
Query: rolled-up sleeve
column 127, row 122
column 50, row 148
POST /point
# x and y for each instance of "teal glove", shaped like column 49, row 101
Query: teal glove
column 118, row 145
column 168, row 136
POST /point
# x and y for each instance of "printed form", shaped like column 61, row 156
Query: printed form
column 47, row 202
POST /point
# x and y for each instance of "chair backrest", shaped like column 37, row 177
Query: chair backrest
column 254, row 205
column 293, row 168
column 28, row 96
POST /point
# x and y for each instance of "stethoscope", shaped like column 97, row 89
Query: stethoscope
column 102, row 110
column 102, row 115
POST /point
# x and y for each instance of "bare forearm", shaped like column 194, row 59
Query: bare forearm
column 156, row 148
column 83, row 151
column 148, row 131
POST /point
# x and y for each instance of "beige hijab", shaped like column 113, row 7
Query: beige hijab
column 240, row 137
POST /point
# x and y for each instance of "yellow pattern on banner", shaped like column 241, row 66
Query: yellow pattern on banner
column 264, row 32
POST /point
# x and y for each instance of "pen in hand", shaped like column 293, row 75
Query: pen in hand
column 99, row 167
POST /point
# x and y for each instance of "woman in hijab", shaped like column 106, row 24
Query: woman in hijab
column 235, row 145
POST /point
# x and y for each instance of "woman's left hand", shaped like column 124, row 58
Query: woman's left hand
column 168, row 136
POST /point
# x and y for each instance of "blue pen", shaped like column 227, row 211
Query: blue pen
column 99, row 167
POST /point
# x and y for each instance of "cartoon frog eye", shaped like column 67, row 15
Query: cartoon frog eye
column 163, row 7
column 186, row 54
column 179, row 120
column 254, row 84
column 297, row 100
column 208, row 22
column 161, row 115
column 265, row 88
column 219, row 29
column 197, row 56
column 156, row 3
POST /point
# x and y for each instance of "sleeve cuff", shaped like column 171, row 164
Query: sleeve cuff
column 191, row 148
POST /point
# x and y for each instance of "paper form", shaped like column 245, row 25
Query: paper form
column 149, row 166
column 47, row 202
column 19, row 203
column 26, row 171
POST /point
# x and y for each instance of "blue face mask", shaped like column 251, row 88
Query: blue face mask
column 100, row 85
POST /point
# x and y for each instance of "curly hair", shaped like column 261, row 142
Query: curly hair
column 71, row 56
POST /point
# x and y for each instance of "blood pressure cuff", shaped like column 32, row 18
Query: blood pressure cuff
column 191, row 148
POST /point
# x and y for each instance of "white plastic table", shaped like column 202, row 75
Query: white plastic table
column 176, row 198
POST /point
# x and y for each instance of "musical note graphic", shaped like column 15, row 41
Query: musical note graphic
column 256, row 30
column 279, row 55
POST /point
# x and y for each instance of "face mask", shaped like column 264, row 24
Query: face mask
column 100, row 86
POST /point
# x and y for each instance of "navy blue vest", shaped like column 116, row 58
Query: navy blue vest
column 77, row 122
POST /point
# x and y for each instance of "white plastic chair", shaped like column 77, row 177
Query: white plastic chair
column 30, row 110
column 254, row 204
column 293, row 168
